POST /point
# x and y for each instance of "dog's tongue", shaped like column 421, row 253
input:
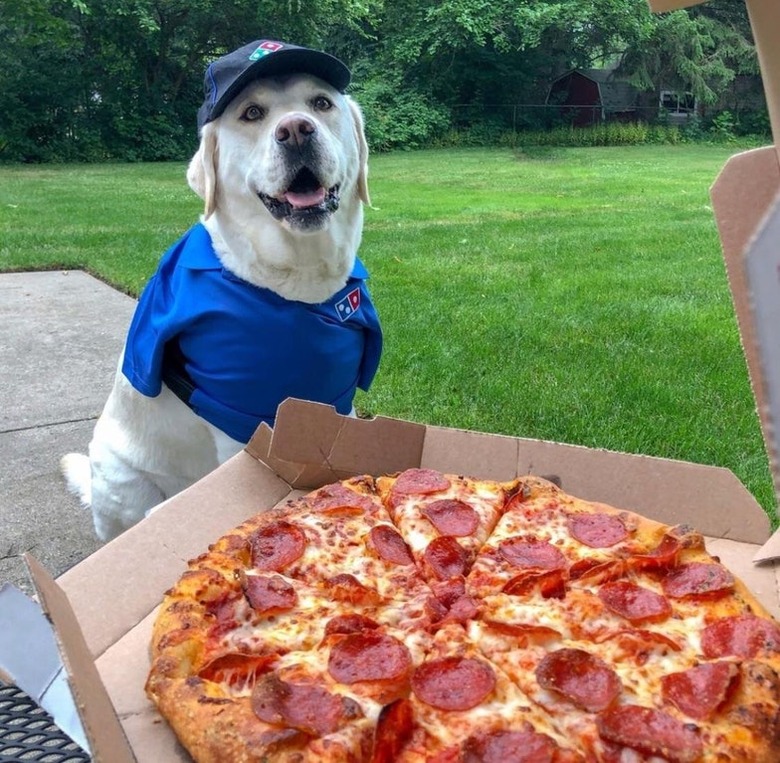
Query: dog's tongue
column 309, row 199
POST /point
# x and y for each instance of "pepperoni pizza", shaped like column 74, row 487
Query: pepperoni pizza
column 432, row 618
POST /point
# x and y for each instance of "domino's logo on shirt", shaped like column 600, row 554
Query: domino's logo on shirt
column 348, row 305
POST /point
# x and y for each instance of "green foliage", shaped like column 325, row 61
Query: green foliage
column 723, row 127
column 606, row 134
column 396, row 117
column 92, row 80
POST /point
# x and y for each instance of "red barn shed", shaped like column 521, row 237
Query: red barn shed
column 589, row 96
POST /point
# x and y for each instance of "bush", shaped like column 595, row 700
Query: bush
column 604, row 134
column 722, row 128
column 398, row 117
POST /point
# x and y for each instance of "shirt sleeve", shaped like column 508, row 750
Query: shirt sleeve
column 163, row 312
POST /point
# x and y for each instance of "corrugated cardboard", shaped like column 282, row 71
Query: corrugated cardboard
column 103, row 608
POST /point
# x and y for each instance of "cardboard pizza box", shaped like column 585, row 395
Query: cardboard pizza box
column 103, row 609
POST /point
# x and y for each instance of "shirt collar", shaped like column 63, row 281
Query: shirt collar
column 199, row 254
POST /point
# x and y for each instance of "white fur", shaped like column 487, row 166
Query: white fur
column 143, row 449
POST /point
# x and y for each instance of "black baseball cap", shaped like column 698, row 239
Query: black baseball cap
column 228, row 75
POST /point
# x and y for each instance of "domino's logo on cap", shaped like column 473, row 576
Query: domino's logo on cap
column 265, row 48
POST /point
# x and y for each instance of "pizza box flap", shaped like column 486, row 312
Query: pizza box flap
column 107, row 740
column 762, row 261
column 313, row 434
column 745, row 202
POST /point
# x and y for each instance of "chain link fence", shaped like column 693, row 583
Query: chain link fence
column 532, row 116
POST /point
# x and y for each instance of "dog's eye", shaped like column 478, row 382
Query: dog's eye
column 321, row 103
column 253, row 113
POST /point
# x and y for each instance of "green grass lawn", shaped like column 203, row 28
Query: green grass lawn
column 576, row 295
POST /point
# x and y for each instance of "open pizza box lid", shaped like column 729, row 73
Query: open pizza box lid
column 102, row 609
column 746, row 203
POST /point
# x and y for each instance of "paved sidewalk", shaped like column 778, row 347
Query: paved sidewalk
column 61, row 333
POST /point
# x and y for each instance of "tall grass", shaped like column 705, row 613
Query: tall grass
column 576, row 295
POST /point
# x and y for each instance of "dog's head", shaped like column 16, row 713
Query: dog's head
column 289, row 147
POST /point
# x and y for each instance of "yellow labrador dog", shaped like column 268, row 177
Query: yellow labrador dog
column 263, row 299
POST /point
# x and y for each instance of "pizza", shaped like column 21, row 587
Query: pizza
column 433, row 618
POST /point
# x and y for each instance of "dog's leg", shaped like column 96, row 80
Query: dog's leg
column 121, row 494
column 143, row 451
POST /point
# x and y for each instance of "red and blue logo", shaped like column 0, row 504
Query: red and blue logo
column 348, row 305
column 265, row 48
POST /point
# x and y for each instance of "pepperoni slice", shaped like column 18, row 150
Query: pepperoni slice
column 531, row 553
column 523, row 631
column 420, row 482
column 650, row 731
column 698, row 579
column 390, row 545
column 449, row 591
column 446, row 557
column 269, row 594
column 596, row 572
column 634, row 602
column 740, row 636
column 597, row 530
column 353, row 623
column 393, row 729
column 276, row 545
column 369, row 656
column 225, row 609
column 699, row 692
column 346, row 587
column 453, row 683
column 637, row 643
column 551, row 584
column 583, row 678
column 306, row 707
column 236, row 669
column 452, row 517
column 510, row 747
column 336, row 499
column 464, row 609
column 663, row 556
column 435, row 610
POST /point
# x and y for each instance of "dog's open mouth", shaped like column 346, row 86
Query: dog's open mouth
column 305, row 198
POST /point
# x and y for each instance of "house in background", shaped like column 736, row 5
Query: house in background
column 590, row 96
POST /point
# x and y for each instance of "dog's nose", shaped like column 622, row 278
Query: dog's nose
column 294, row 130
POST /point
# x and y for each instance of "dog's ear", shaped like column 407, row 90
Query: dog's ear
column 202, row 172
column 360, row 135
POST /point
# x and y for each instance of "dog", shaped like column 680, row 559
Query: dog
column 261, row 300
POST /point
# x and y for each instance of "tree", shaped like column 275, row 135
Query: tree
column 102, row 79
column 122, row 79
column 700, row 50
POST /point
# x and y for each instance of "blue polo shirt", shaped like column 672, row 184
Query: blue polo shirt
column 245, row 348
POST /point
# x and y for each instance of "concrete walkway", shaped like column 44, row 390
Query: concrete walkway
column 61, row 333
